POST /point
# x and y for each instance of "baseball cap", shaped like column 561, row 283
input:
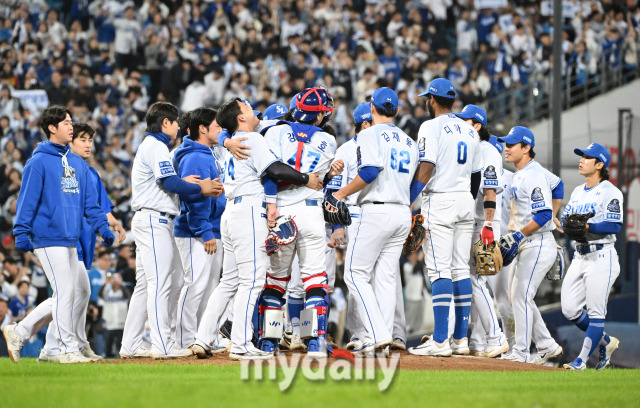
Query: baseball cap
column 496, row 143
column 440, row 87
column 597, row 151
column 384, row 96
column 362, row 113
column 519, row 134
column 275, row 111
column 473, row 112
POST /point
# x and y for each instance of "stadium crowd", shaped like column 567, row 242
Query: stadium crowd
column 109, row 60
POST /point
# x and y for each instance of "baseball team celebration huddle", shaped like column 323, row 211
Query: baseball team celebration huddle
column 236, row 229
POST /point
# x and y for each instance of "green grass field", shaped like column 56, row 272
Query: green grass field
column 29, row 384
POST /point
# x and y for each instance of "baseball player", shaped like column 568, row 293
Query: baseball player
column 81, row 145
column 449, row 155
column 244, row 231
column 486, row 335
column 156, row 190
column 197, row 228
column 57, row 191
column 304, row 146
column 386, row 160
column 534, row 243
column 595, row 266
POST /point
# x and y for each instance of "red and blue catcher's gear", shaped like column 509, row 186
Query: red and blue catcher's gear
column 310, row 102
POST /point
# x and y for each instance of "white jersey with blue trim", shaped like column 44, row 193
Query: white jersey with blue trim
column 451, row 144
column 152, row 163
column 505, row 200
column 552, row 179
column 491, row 179
column 346, row 152
column 604, row 199
column 530, row 193
column 395, row 155
column 314, row 156
column 242, row 177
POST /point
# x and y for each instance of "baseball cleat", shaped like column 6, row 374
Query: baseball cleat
column 268, row 345
column 383, row 344
column 331, row 342
column 285, row 341
column 296, row 343
column 576, row 365
column 200, row 352
column 173, row 354
column 313, row 349
column 547, row 355
column 251, row 355
column 476, row 353
column 425, row 338
column 225, row 330
column 363, row 349
column 355, row 343
column 74, row 357
column 495, row 351
column 14, row 344
column 398, row 344
column 512, row 357
column 460, row 347
column 431, row 348
column 606, row 352
column 89, row 353
column 45, row 358
column 141, row 352
column 218, row 349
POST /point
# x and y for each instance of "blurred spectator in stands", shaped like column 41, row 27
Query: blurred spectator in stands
column 115, row 298
column 128, row 31
column 413, row 287
column 98, row 274
column 22, row 303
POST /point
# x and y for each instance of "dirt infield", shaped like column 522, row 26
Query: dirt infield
column 407, row 362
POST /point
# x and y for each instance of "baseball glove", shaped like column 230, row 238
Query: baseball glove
column 509, row 246
column 335, row 211
column 488, row 258
column 284, row 233
column 574, row 226
column 416, row 235
column 559, row 267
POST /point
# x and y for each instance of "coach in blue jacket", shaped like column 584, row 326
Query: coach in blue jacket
column 197, row 229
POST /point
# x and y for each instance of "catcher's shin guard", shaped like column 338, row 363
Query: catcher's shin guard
column 313, row 320
column 270, row 313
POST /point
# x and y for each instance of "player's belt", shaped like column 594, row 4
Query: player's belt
column 585, row 249
column 239, row 200
column 162, row 214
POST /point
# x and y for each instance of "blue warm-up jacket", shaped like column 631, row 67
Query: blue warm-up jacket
column 87, row 241
column 57, row 192
column 199, row 218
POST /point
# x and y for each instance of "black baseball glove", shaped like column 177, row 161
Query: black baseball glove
column 574, row 226
column 335, row 211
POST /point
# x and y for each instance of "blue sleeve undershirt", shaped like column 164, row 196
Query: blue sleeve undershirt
column 186, row 191
column 368, row 174
column 414, row 190
column 605, row 227
column 542, row 217
column 558, row 191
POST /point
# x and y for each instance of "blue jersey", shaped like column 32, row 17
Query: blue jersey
column 87, row 242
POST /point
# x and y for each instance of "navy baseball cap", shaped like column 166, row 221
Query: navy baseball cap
column 496, row 143
column 275, row 111
column 383, row 96
column 519, row 134
column 362, row 113
column 473, row 112
column 441, row 87
column 597, row 151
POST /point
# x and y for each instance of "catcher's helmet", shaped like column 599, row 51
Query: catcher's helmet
column 310, row 102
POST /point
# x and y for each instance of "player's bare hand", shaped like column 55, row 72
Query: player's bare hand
column 336, row 168
column 193, row 179
column 558, row 225
column 338, row 238
column 211, row 188
column 272, row 214
column 122, row 234
column 314, row 182
column 238, row 150
column 210, row 246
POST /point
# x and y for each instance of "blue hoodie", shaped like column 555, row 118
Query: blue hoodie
column 57, row 191
column 87, row 241
column 199, row 218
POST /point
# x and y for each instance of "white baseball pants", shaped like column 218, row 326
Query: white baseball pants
column 201, row 272
column 137, row 313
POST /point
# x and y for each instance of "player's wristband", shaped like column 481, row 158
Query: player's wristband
column 489, row 204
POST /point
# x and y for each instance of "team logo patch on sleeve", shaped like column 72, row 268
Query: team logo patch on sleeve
column 421, row 144
column 614, row 206
column 490, row 173
column 165, row 167
column 536, row 195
